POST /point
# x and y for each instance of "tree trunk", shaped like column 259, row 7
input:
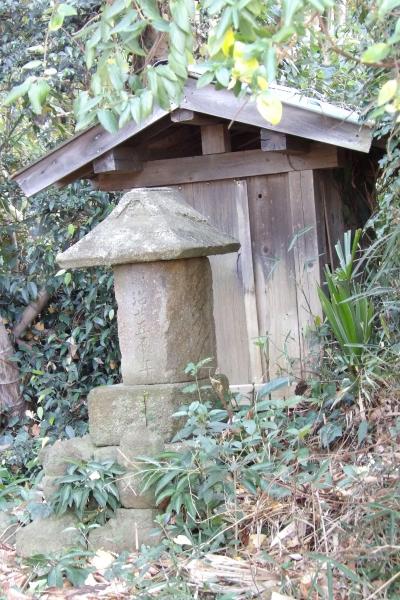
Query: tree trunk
column 31, row 312
column 10, row 395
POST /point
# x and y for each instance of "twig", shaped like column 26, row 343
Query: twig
column 384, row 585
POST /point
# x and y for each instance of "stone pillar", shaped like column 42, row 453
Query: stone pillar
column 165, row 314
column 158, row 246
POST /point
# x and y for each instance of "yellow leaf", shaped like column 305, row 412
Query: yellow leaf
column 387, row 91
column 228, row 41
column 39, row 326
column 270, row 108
column 262, row 83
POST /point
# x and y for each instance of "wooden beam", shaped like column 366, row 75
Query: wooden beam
column 78, row 151
column 122, row 159
column 275, row 141
column 211, row 167
column 85, row 172
column 296, row 120
column 215, row 139
column 189, row 117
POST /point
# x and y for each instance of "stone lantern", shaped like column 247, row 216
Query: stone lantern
column 157, row 246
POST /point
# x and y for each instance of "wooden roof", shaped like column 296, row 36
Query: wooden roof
column 302, row 118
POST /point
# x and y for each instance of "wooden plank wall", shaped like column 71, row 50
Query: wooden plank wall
column 269, row 289
column 218, row 201
column 329, row 207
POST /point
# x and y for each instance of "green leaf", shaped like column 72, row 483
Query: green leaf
column 116, row 76
column 108, row 120
column 223, row 76
column 67, row 278
column 135, row 109
column 32, row 64
column 66, row 10
column 375, row 53
column 146, row 103
column 56, row 22
column 362, row 432
column 180, row 15
column 114, row 9
column 18, row 91
column 150, row 10
column 38, row 92
column 55, row 577
column 205, row 79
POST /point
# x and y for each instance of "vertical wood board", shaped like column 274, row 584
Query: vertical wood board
column 306, row 256
column 329, row 207
column 218, row 202
column 274, row 269
column 248, row 281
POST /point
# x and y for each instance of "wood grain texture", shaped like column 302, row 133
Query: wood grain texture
column 78, row 151
column 274, row 141
column 274, row 270
column 218, row 202
column 248, row 281
column 329, row 206
column 296, row 120
column 306, row 260
column 215, row 167
column 122, row 159
column 189, row 117
column 215, row 139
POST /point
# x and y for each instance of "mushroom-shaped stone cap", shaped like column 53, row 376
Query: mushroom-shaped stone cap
column 148, row 224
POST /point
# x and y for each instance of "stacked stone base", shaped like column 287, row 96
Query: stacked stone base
column 125, row 421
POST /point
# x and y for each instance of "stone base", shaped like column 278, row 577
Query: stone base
column 48, row 536
column 135, row 442
column 114, row 409
column 126, row 531
column 55, row 458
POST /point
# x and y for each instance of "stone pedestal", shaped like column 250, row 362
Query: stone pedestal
column 113, row 409
column 158, row 246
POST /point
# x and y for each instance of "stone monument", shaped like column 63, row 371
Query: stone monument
column 157, row 246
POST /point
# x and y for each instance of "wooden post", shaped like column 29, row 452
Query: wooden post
column 247, row 274
column 215, row 139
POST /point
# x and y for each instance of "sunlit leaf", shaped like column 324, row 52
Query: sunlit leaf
column 269, row 107
column 38, row 93
column 376, row 53
column 387, row 91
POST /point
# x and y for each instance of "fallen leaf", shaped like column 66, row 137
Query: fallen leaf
column 102, row 560
column 255, row 541
column 182, row 540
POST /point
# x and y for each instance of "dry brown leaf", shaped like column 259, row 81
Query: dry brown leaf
column 255, row 541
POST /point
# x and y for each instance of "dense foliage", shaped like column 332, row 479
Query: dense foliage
column 72, row 345
column 311, row 476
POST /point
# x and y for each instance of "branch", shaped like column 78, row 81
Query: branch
column 380, row 65
column 31, row 312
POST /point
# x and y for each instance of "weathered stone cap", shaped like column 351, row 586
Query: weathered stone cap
column 148, row 224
